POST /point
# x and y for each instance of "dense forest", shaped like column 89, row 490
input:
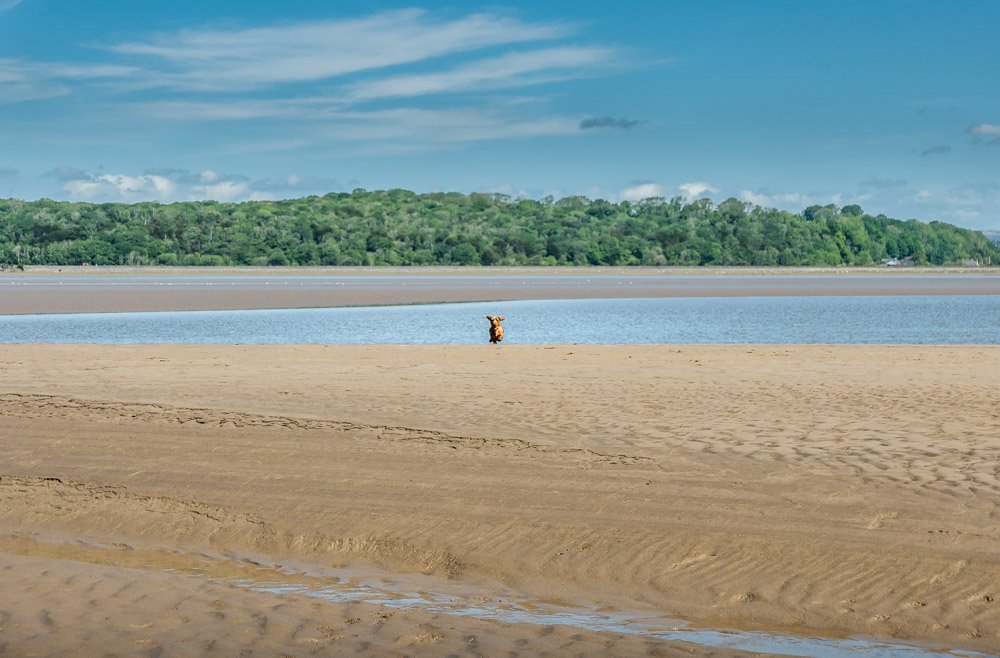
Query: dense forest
column 397, row 227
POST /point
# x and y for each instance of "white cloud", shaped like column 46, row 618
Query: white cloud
column 8, row 4
column 986, row 129
column 245, row 59
column 696, row 189
column 120, row 187
column 168, row 185
column 642, row 191
column 923, row 195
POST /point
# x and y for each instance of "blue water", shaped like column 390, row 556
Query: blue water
column 513, row 611
column 810, row 319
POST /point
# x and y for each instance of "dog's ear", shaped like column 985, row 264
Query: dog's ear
column 490, row 318
column 500, row 318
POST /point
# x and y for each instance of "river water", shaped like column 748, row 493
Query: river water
column 945, row 319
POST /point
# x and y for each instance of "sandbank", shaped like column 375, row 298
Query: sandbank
column 91, row 289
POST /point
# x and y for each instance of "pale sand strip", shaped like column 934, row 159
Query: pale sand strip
column 78, row 290
column 843, row 489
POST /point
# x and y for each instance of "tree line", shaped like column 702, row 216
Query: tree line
column 399, row 227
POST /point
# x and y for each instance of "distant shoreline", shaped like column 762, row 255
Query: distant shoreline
column 116, row 289
column 473, row 270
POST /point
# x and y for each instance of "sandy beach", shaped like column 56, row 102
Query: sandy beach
column 824, row 490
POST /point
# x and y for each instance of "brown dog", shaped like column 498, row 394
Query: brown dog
column 496, row 331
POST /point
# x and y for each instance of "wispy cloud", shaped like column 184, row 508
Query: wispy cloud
column 403, row 126
column 25, row 81
column 244, row 110
column 517, row 69
column 251, row 75
column 8, row 4
column 443, row 126
column 215, row 60
column 8, row 171
column 608, row 122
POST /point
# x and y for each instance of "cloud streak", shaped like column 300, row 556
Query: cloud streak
column 510, row 70
column 445, row 126
column 214, row 60
column 25, row 81
column 405, row 127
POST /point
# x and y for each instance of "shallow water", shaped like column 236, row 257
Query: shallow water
column 955, row 319
column 512, row 610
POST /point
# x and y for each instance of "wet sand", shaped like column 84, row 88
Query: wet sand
column 78, row 290
column 815, row 489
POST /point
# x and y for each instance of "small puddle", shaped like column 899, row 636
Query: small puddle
column 513, row 610
column 413, row 591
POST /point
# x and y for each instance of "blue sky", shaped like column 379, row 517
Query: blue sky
column 891, row 104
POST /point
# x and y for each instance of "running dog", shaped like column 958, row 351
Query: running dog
column 496, row 331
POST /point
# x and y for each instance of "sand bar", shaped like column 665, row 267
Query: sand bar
column 817, row 489
column 76, row 290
